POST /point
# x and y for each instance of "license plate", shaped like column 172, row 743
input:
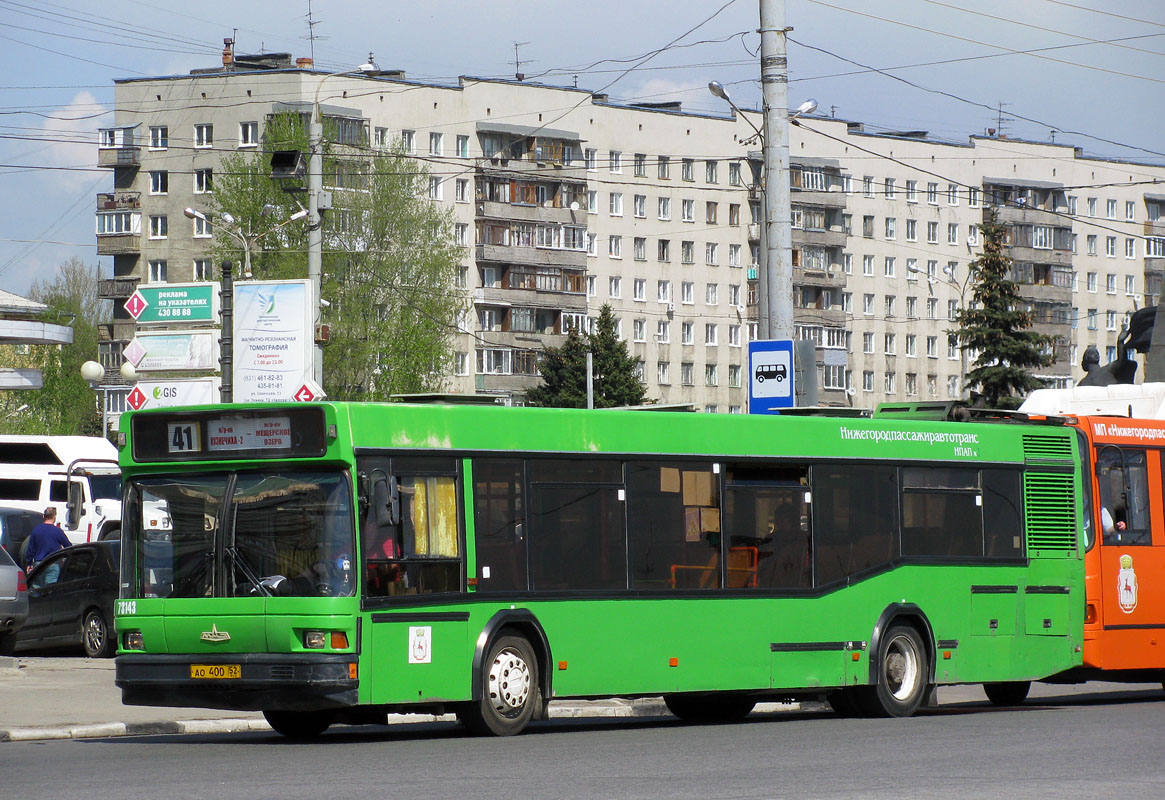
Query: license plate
column 211, row 671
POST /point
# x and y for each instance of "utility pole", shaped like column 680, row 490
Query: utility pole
column 776, row 311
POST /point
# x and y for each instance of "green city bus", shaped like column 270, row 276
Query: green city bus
column 337, row 562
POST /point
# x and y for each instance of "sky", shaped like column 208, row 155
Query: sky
column 1086, row 72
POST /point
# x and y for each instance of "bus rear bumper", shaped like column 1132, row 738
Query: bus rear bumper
column 267, row 682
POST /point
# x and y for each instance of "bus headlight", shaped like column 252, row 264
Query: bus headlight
column 314, row 640
column 132, row 640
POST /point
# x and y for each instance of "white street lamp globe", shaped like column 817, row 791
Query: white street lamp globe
column 129, row 372
column 92, row 371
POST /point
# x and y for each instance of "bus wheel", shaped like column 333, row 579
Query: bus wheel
column 299, row 724
column 708, row 708
column 1009, row 693
column 509, row 691
column 902, row 675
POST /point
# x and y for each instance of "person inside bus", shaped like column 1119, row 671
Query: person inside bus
column 1110, row 525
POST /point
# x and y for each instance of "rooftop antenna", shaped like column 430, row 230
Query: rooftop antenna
column 311, row 32
column 518, row 74
column 833, row 111
column 1000, row 119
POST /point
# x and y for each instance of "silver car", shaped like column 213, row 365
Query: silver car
column 13, row 601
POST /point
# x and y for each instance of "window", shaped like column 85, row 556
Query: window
column 159, row 137
column 1110, row 209
column 867, row 265
column 202, row 269
column 911, row 384
column 639, row 330
column 868, row 185
column 640, row 248
column 687, row 170
column 639, row 289
column 616, row 162
column 203, row 180
column 687, row 371
column 1091, row 244
column 1130, row 248
column 663, row 168
column 972, row 235
column 616, row 204
column 911, row 309
column 952, row 194
column 932, row 308
column 157, row 271
column 592, row 202
column 663, row 373
column 868, row 342
column 665, row 208
column 890, row 227
column 734, row 375
column 952, row 310
column 867, row 380
column 248, row 134
column 911, row 191
column 435, row 187
column 710, row 173
column 889, row 266
column 710, row 212
column 640, row 165
column 663, row 291
column 664, row 250
column 1129, row 285
column 461, row 190
column 159, row 182
column 640, row 206
column 711, row 331
column 436, row 144
column 953, row 233
column 911, row 348
column 686, row 333
column 1110, row 246
column 890, row 344
column 663, row 331
column 1130, row 210
column 1092, row 206
column 688, row 210
column 734, row 255
column 932, row 232
column 868, row 304
column 615, row 246
column 158, row 226
column 590, row 159
column 711, row 375
column 932, row 193
column 868, row 226
column 889, row 383
column 847, row 184
column 204, row 135
column 380, row 137
column 614, row 286
column 734, row 338
column 1092, row 319
column 912, row 230
column 711, row 251
column 1124, row 494
column 1110, row 283
column 202, row 228
column 734, row 213
column 712, row 294
column 463, row 146
column 1092, row 281
column 461, row 233
column 932, row 347
column 1110, row 325
column 890, row 188
column 687, row 292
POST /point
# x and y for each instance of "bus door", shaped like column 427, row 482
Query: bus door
column 412, row 544
column 1132, row 557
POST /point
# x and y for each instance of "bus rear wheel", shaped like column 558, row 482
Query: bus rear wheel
column 509, row 691
column 901, row 683
column 708, row 707
column 1009, row 693
column 299, row 724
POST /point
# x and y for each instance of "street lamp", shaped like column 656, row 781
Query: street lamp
column 94, row 373
column 246, row 240
column 961, row 287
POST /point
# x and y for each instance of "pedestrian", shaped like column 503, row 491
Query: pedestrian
column 44, row 540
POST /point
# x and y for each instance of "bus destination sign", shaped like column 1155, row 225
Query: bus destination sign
column 263, row 433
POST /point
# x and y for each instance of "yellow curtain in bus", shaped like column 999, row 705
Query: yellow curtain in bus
column 435, row 517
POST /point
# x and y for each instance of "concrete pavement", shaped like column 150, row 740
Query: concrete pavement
column 70, row 697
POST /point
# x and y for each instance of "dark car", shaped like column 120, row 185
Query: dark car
column 70, row 600
column 13, row 602
column 15, row 525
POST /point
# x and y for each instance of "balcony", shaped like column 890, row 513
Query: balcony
column 530, row 213
column 521, row 168
column 536, row 256
column 114, row 157
column 819, row 237
column 119, row 201
column 120, row 244
column 116, row 288
column 1020, row 215
column 825, row 199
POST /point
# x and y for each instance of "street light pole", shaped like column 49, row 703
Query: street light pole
column 961, row 288
column 778, row 266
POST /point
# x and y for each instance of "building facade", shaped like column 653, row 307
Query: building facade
column 565, row 201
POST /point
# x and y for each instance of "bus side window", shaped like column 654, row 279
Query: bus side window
column 673, row 531
column 499, row 522
column 1124, row 496
column 766, row 522
column 856, row 519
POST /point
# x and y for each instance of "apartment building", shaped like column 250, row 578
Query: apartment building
column 566, row 200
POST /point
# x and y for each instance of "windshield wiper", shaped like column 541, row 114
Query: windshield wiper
column 240, row 561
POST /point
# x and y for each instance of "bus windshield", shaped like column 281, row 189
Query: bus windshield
column 241, row 534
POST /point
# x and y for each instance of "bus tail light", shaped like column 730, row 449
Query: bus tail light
column 1089, row 613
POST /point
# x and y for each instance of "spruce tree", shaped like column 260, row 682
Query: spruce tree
column 996, row 327
column 564, row 370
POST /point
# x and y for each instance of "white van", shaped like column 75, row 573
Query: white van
column 76, row 474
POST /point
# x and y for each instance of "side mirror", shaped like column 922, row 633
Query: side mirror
column 74, row 508
column 386, row 500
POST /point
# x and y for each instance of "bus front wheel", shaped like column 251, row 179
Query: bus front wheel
column 299, row 724
column 902, row 674
column 509, row 691
column 1009, row 693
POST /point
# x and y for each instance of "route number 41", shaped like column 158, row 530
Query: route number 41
column 184, row 437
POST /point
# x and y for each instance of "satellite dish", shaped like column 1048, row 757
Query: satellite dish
column 574, row 206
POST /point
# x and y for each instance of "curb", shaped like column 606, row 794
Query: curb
column 577, row 710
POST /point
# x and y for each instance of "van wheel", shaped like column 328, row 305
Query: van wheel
column 110, row 534
column 96, row 636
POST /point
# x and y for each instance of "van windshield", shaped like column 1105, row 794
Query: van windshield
column 105, row 487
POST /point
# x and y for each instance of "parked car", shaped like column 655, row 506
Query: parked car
column 15, row 525
column 73, row 604
column 13, row 602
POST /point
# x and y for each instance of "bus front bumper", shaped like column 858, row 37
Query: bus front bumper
column 265, row 682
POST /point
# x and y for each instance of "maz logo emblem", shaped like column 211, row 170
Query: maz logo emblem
column 215, row 635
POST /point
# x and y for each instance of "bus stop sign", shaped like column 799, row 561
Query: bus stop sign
column 770, row 376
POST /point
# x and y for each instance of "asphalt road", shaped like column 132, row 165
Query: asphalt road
column 1086, row 746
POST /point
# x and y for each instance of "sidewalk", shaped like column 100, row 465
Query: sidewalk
column 71, row 697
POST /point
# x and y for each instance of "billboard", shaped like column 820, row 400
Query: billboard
column 274, row 329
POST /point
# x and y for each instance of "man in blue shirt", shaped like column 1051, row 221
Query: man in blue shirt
column 44, row 540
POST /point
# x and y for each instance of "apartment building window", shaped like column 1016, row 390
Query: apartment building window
column 734, row 214
column 912, row 308
column 159, row 137
column 639, row 290
column 434, row 187
column 590, row 159
column 912, row 230
column 409, row 142
column 204, row 135
column 711, row 375
column 847, row 302
column 664, row 250
column 640, row 248
column 868, row 185
column 911, row 191
column 932, row 347
column 159, row 182
column 663, row 373
column 973, row 235
column 616, row 162
column 952, row 347
column 1110, row 321
column 889, row 383
column 202, row 228
column 248, row 134
column 868, row 342
column 1092, row 206
column 158, row 226
column 203, row 180
column 890, row 189
column 868, row 226
column 847, row 263
column 734, row 336
column 1110, row 246
column 891, row 225
column 639, row 330
column 1129, row 285
column 1130, row 248
column 639, row 203
column 911, row 345
column 663, row 331
column 615, row 246
column 1154, row 247
column 911, row 384
column 592, row 201
column 711, row 333
column 952, row 385
column 1092, row 282
column 932, row 193
column 687, row 170
column 1110, row 209
column 1130, row 210
column 932, row 308
column 710, row 171
column 710, row 212
column 686, row 333
column 687, row 292
column 867, row 265
column 734, row 378
column 380, row 137
column 1073, row 203
column 687, row 373
column 641, row 165
column 1041, row 237
column 462, row 146
column 688, row 210
column 203, row 269
column 1092, row 319
column 953, row 233
column 952, row 310
column 952, row 194
column 664, row 208
column 1091, row 244
column 734, row 294
column 663, row 291
column 436, row 144
column 615, row 204
column 157, row 271
column 614, row 286
column 663, row 168
column 932, row 232
column 889, row 267
column 1110, row 283
column 461, row 190
column 461, row 233
column 711, row 252
column 712, row 294
column 734, row 255
column 867, row 380
column 462, row 279
column 868, row 304
column 890, row 303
